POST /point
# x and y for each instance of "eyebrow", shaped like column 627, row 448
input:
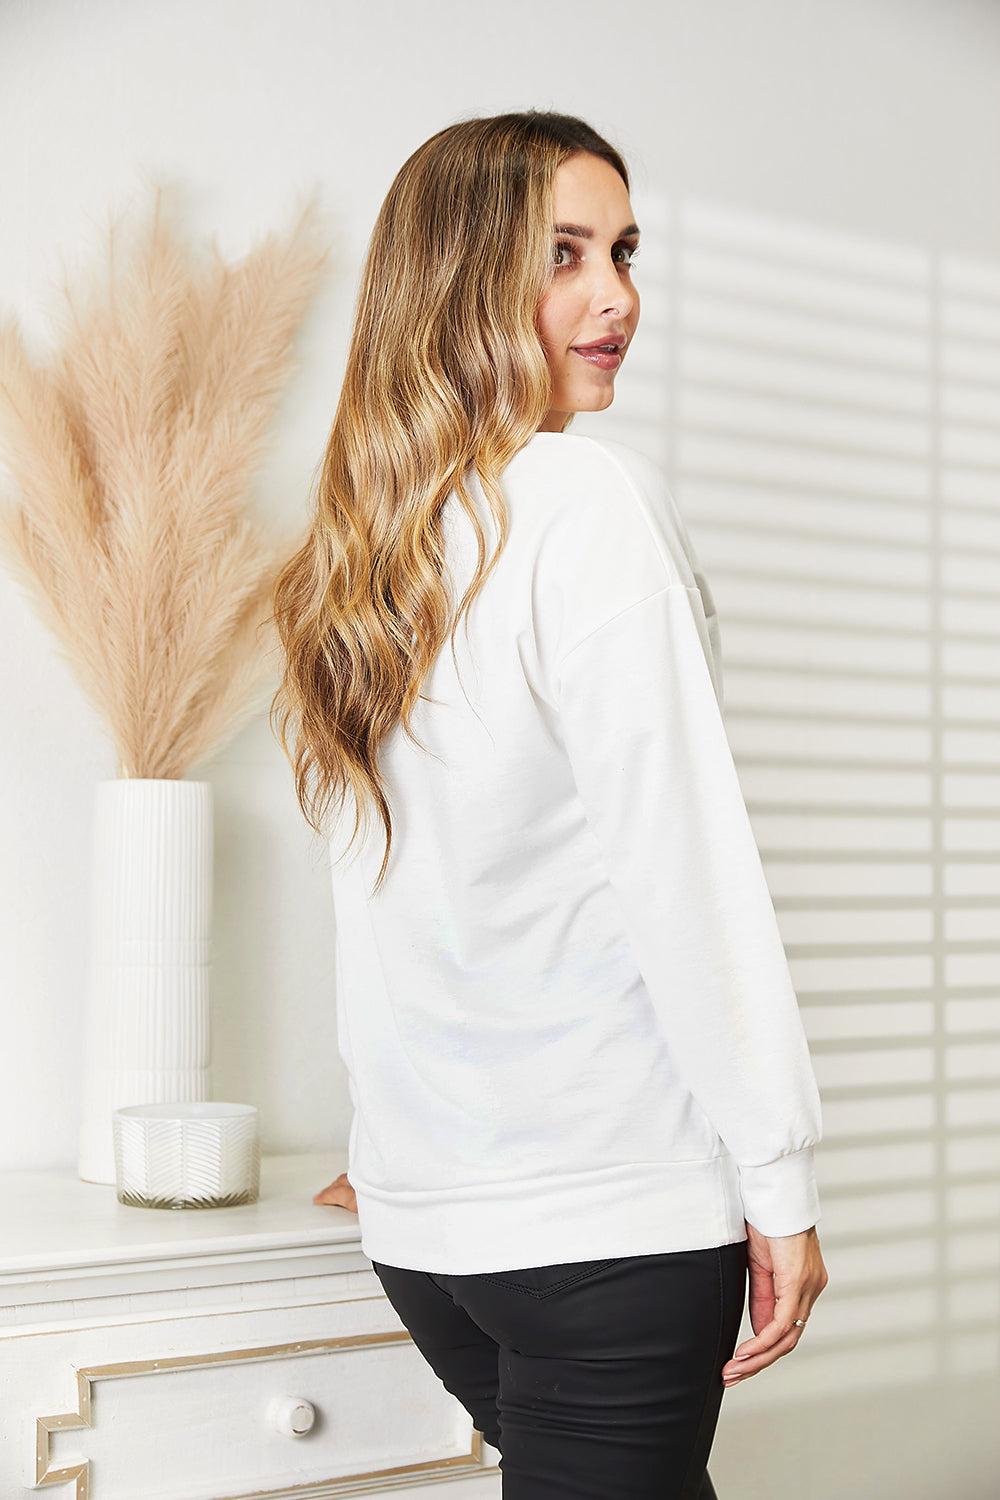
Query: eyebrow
column 582, row 232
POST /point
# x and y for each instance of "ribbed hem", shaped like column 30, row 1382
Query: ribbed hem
column 645, row 1208
column 781, row 1197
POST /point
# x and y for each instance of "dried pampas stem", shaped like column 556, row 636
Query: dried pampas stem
column 132, row 452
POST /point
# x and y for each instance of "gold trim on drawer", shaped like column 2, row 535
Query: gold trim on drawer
column 80, row 1472
column 347, row 1484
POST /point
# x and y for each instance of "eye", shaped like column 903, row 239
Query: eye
column 628, row 252
column 562, row 248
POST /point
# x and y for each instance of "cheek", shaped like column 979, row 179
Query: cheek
column 551, row 321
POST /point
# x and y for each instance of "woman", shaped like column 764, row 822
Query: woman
column 583, row 1097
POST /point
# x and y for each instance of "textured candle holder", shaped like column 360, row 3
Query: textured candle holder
column 188, row 1155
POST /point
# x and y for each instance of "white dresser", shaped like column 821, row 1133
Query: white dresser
column 212, row 1354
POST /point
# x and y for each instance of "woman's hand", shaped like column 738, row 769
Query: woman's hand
column 339, row 1193
column 787, row 1274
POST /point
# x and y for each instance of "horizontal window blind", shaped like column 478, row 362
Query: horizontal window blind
column 827, row 409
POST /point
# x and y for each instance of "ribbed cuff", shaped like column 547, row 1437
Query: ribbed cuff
column 781, row 1197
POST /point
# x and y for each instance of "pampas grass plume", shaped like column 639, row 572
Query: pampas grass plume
column 132, row 451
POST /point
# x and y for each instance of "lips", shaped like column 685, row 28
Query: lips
column 600, row 356
column 616, row 341
column 603, row 354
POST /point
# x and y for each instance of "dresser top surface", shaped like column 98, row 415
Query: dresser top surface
column 53, row 1220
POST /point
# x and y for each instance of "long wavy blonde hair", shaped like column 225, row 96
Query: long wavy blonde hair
column 446, row 376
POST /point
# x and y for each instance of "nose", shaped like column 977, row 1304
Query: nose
column 611, row 291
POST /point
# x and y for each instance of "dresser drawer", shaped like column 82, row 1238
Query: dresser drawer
column 354, row 1411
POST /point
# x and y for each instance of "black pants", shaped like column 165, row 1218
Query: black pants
column 596, row 1380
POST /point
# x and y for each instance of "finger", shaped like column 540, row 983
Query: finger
column 783, row 1322
column 339, row 1192
column 339, row 1199
column 779, row 1338
column 328, row 1189
column 761, row 1301
column 752, row 1364
column 340, row 1181
column 734, row 1374
column 790, row 1305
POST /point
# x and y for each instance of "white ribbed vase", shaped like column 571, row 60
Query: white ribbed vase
column 148, row 1038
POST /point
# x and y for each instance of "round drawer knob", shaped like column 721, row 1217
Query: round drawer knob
column 291, row 1416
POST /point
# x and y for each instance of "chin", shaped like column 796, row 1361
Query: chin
column 594, row 401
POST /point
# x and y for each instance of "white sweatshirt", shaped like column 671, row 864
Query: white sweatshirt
column 567, row 1017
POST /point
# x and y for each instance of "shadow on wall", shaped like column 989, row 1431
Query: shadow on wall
column 827, row 409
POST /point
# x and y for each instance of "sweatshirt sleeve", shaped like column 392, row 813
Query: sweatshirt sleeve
column 638, row 703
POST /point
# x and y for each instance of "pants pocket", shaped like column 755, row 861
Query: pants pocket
column 544, row 1281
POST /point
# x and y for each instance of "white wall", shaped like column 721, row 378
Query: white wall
column 820, row 373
